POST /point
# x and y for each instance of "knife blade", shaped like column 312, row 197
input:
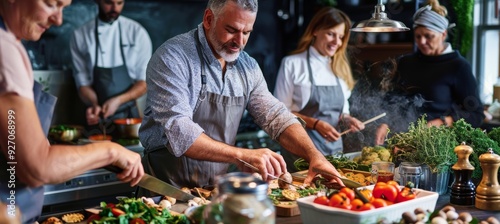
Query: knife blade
column 275, row 177
column 156, row 185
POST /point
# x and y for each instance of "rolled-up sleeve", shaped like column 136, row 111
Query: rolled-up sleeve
column 169, row 98
column 268, row 112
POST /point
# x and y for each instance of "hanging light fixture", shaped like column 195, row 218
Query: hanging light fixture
column 379, row 22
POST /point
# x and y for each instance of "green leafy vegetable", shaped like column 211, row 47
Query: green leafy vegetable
column 337, row 161
column 433, row 145
column 130, row 208
column 478, row 140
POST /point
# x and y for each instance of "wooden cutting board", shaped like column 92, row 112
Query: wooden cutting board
column 288, row 208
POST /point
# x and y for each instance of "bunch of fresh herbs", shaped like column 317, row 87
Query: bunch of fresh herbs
column 433, row 146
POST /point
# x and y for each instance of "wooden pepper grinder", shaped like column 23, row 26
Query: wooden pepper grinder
column 488, row 191
column 462, row 189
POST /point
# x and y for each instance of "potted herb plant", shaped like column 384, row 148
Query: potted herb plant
column 432, row 147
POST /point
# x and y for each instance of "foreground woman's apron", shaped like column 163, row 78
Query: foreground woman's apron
column 220, row 117
column 110, row 82
column 325, row 103
column 29, row 200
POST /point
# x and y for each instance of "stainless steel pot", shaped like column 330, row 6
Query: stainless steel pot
column 128, row 127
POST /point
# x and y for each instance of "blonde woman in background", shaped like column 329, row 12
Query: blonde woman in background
column 315, row 81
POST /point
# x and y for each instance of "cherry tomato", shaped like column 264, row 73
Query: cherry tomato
column 344, row 206
column 367, row 206
column 385, row 191
column 356, row 204
column 117, row 212
column 348, row 192
column 394, row 183
column 93, row 217
column 367, row 193
column 339, row 200
column 379, row 202
column 405, row 195
column 322, row 200
column 136, row 221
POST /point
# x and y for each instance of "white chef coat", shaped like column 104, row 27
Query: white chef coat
column 137, row 48
column 293, row 86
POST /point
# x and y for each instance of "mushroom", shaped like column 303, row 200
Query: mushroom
column 165, row 204
column 192, row 203
column 170, row 199
column 148, row 201
column 284, row 180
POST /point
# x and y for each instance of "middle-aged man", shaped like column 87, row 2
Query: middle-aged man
column 199, row 84
column 110, row 55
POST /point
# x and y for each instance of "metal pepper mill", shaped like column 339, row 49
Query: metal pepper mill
column 488, row 191
column 463, row 189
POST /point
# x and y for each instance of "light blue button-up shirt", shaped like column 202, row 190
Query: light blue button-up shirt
column 173, row 79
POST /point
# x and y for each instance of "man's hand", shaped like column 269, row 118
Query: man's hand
column 92, row 114
column 323, row 165
column 110, row 106
column 267, row 161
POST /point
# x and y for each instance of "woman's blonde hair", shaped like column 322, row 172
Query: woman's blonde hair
column 438, row 8
column 327, row 18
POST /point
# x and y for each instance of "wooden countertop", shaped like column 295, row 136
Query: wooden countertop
column 443, row 200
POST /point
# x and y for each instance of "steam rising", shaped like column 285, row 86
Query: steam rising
column 376, row 92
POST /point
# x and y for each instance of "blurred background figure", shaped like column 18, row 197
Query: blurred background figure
column 438, row 73
column 110, row 54
column 315, row 82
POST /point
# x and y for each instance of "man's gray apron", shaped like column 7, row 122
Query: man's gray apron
column 220, row 117
column 110, row 82
column 325, row 103
column 29, row 200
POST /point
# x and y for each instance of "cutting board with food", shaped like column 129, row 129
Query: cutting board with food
column 285, row 198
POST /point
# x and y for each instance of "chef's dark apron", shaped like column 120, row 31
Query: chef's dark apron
column 110, row 82
column 219, row 116
column 325, row 103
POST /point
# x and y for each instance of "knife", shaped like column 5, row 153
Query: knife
column 156, row 185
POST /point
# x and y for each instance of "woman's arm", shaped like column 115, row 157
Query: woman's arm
column 37, row 162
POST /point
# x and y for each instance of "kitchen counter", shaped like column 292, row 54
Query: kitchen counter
column 443, row 200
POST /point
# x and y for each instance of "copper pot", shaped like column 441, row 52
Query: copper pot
column 128, row 127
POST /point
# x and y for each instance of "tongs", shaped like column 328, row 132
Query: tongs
column 275, row 177
column 347, row 182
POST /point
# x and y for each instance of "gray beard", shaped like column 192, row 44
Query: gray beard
column 219, row 48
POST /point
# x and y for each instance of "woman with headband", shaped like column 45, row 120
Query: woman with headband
column 438, row 73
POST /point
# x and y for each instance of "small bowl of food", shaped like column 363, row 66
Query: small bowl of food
column 128, row 128
column 100, row 138
column 65, row 133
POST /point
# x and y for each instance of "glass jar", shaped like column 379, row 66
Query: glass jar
column 241, row 198
column 410, row 172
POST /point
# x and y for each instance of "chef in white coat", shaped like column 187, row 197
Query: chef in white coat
column 110, row 55
column 315, row 81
